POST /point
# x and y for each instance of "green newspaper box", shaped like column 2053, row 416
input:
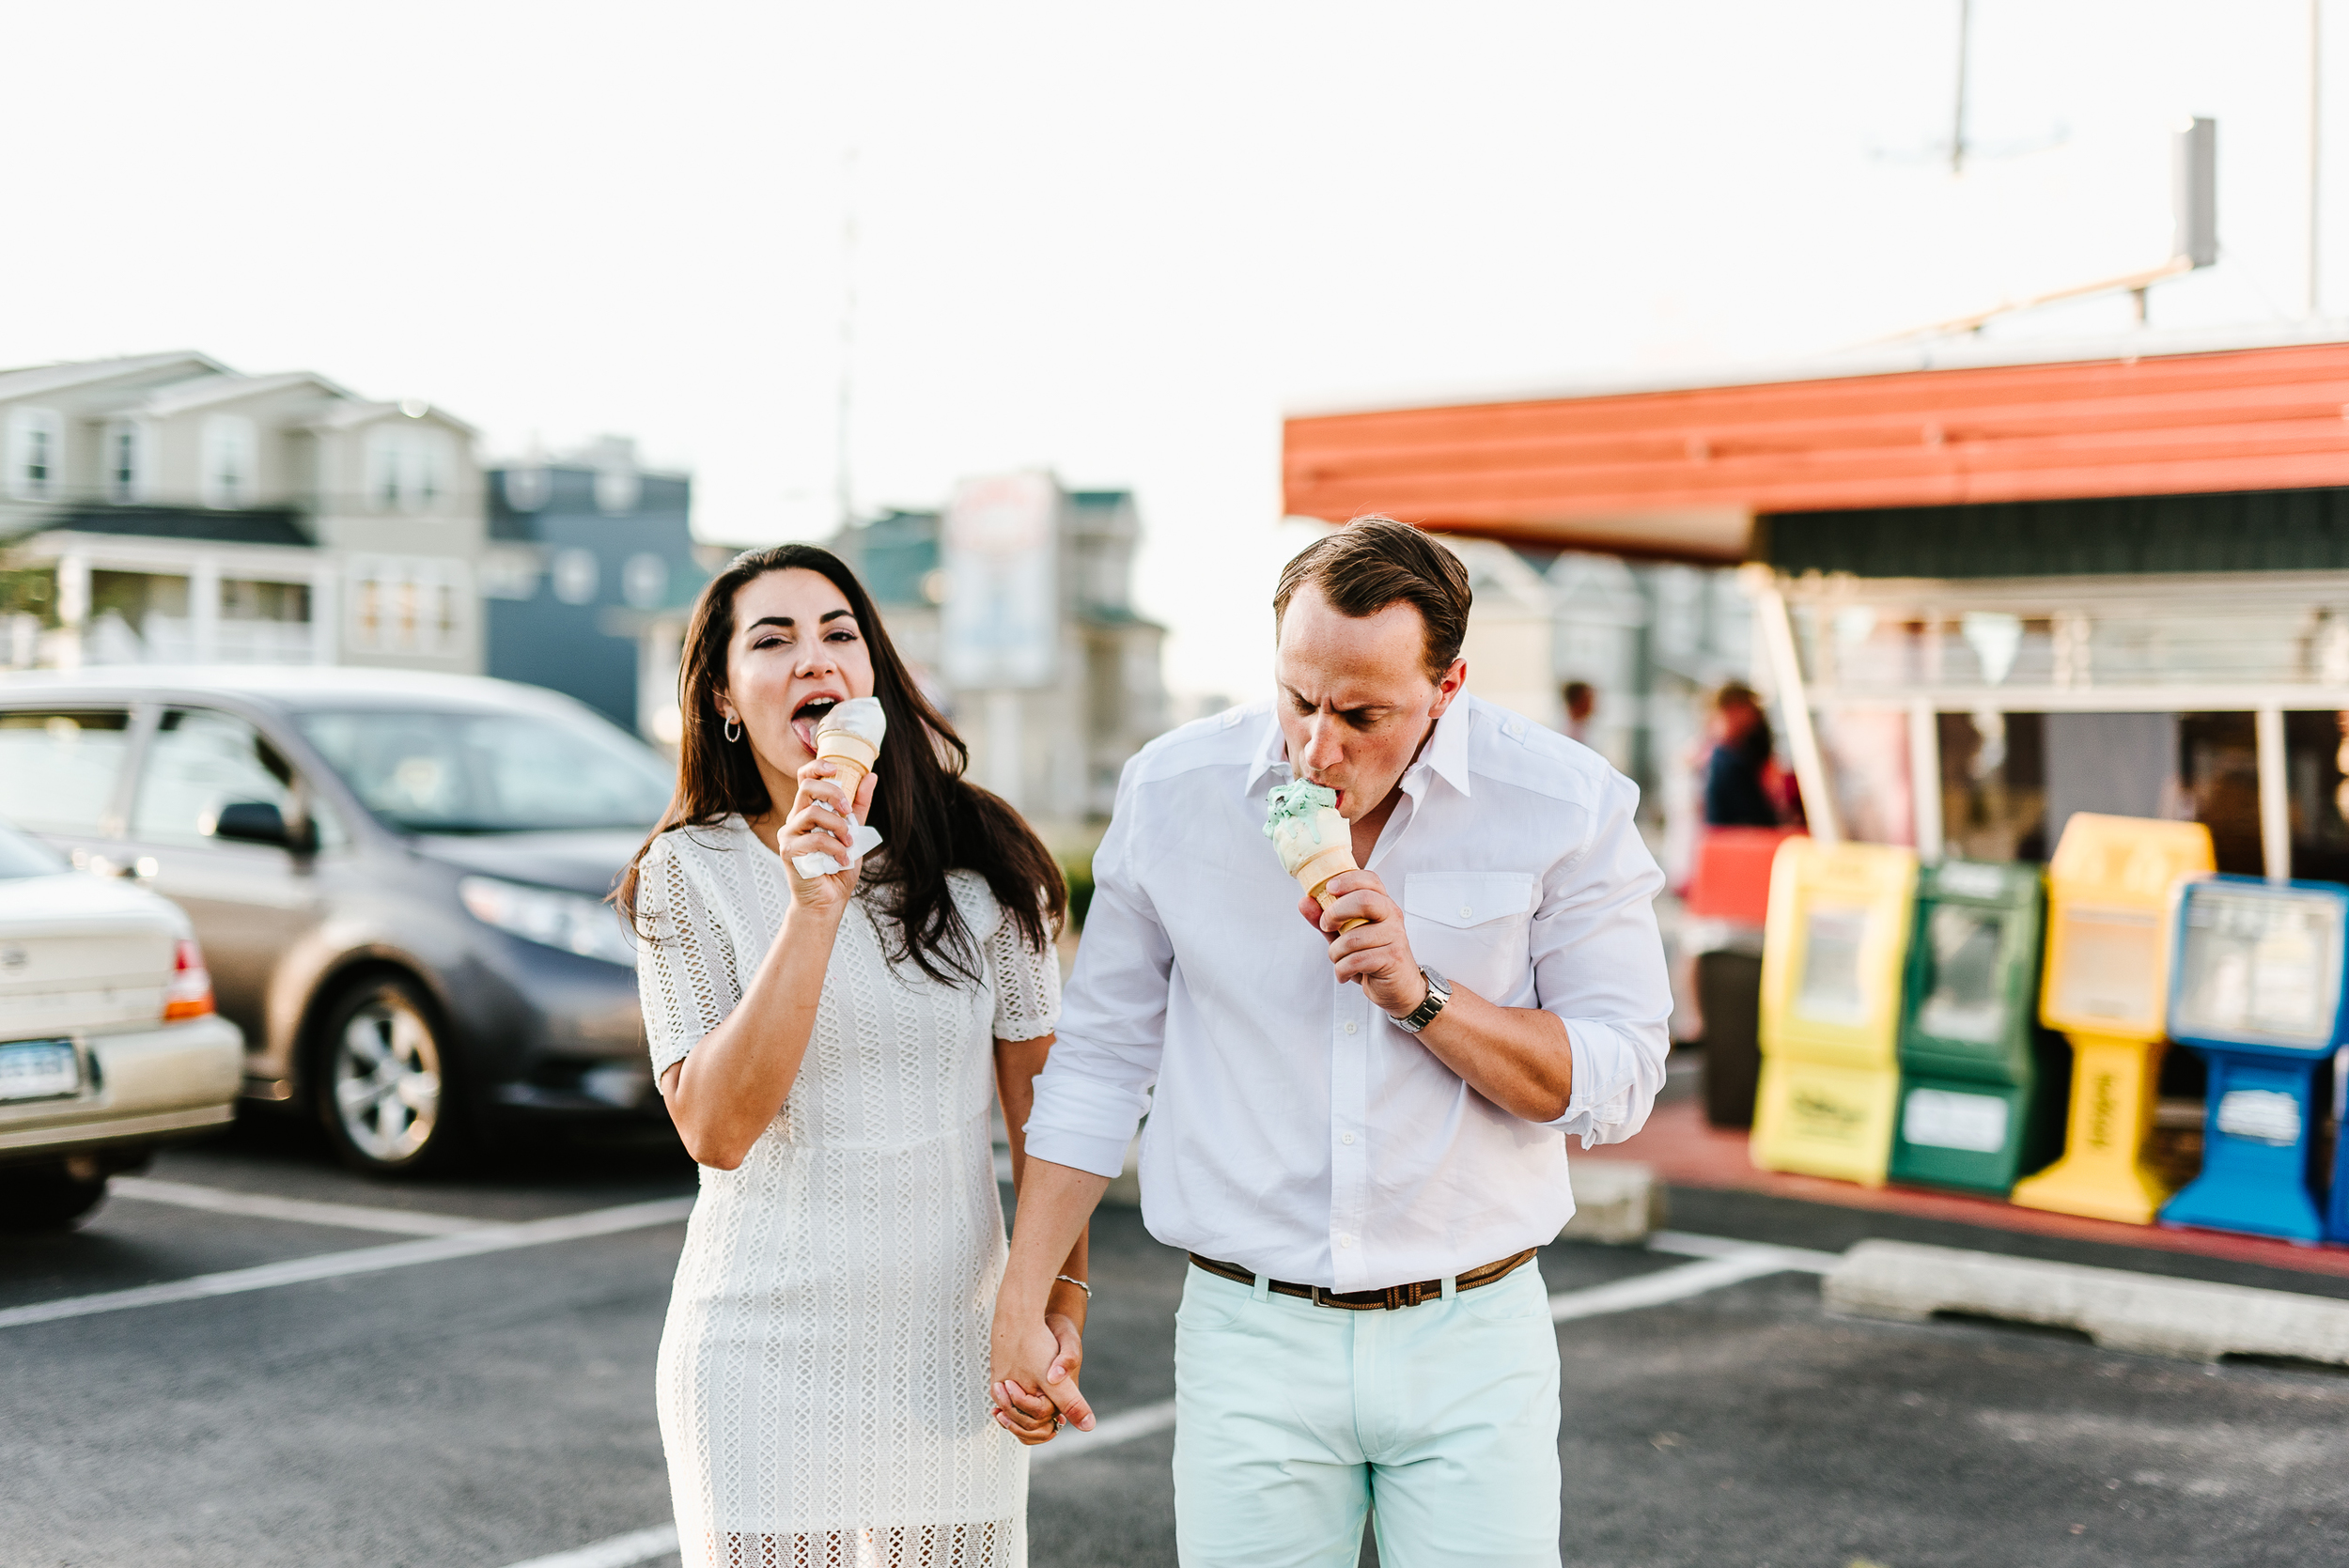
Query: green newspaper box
column 1983, row 1085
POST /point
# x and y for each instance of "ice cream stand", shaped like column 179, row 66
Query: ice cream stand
column 1997, row 591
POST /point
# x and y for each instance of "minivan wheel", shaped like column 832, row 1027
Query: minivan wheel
column 49, row 1197
column 383, row 1083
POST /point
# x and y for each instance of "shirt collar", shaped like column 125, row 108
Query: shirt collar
column 1445, row 753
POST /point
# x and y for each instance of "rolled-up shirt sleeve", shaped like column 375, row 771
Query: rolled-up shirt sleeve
column 1096, row 1084
column 1598, row 966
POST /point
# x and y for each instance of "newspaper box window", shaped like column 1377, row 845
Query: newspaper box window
column 2257, row 991
column 2110, row 892
column 1833, row 947
column 1981, row 1082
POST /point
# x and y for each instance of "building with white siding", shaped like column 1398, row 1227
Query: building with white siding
column 166, row 508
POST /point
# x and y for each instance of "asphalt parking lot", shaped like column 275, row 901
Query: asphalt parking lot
column 432, row 1406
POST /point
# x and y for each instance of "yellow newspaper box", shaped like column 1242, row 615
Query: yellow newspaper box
column 1833, row 948
column 2111, row 895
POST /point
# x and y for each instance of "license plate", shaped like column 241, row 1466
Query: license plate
column 39, row 1070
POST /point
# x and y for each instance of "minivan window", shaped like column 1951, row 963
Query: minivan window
column 197, row 762
column 58, row 767
column 26, row 857
column 477, row 773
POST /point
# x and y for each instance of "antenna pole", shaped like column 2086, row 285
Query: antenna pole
column 1957, row 135
column 842, row 479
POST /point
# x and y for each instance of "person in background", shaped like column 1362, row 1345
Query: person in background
column 1581, row 700
column 1737, row 775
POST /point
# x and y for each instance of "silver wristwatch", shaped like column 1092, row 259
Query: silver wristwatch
column 1419, row 1018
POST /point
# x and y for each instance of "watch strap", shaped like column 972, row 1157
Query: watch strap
column 1438, row 993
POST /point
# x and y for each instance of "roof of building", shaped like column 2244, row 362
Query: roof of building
column 258, row 525
column 32, row 380
column 360, row 411
column 1683, row 472
column 181, row 397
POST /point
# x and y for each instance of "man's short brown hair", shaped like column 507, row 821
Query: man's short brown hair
column 1374, row 562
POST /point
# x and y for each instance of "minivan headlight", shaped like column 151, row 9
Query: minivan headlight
column 584, row 925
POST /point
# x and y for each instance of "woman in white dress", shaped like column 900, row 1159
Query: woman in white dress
column 825, row 1045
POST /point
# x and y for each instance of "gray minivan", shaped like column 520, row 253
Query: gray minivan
column 397, row 879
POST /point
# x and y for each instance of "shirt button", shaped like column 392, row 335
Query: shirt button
column 1350, row 1026
column 1465, row 911
column 1346, row 1138
column 1345, row 1241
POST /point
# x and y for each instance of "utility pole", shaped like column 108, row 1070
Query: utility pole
column 1957, row 135
column 2316, row 143
column 843, row 476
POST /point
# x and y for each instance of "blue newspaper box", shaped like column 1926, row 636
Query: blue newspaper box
column 2256, row 990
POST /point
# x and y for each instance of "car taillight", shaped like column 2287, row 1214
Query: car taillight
column 190, row 993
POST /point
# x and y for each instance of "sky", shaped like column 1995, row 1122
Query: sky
column 1117, row 242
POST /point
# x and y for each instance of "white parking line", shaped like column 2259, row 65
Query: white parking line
column 620, row 1551
column 1795, row 1260
column 1723, row 1262
column 364, row 1260
column 1108, row 1431
column 300, row 1211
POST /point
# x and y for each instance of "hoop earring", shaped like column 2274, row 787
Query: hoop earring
column 733, row 731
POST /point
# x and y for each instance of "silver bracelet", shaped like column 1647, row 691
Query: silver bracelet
column 1080, row 1284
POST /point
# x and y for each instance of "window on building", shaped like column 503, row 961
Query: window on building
column 36, row 447
column 124, row 463
column 405, row 605
column 231, row 455
column 408, row 467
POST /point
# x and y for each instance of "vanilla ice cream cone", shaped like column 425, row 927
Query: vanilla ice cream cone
column 849, row 737
column 852, row 755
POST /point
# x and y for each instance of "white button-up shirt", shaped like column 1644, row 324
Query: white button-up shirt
column 1293, row 1128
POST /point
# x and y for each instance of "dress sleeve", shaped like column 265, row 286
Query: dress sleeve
column 686, row 980
column 1027, row 984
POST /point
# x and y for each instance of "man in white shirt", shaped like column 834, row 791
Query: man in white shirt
column 1360, row 1135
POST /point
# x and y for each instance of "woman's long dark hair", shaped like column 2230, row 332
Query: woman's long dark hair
column 931, row 819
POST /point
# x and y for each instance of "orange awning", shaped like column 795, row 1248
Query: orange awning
column 1682, row 474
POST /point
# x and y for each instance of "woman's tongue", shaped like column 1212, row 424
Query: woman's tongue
column 806, row 729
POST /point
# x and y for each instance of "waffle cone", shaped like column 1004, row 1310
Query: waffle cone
column 842, row 747
column 852, row 755
column 1315, row 873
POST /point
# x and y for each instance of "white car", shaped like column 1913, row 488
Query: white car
column 108, row 1041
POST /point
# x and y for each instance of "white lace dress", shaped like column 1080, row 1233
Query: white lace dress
column 822, row 1380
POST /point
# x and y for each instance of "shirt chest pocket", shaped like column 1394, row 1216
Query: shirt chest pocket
column 1470, row 926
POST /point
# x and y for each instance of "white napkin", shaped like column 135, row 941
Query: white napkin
column 862, row 841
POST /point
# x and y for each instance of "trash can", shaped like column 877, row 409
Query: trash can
column 1982, row 1081
column 2105, row 984
column 1728, row 901
column 2256, row 992
column 1833, row 951
column 1729, row 992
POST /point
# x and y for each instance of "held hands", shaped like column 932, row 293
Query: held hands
column 1034, row 1378
column 818, row 823
column 1378, row 955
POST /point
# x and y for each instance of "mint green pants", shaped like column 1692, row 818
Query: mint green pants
column 1293, row 1421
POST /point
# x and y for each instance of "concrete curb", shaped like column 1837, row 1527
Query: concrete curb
column 1617, row 1201
column 2120, row 1309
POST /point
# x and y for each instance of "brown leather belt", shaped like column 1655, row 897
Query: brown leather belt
column 1368, row 1300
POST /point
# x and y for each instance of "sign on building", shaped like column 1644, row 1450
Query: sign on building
column 999, row 626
